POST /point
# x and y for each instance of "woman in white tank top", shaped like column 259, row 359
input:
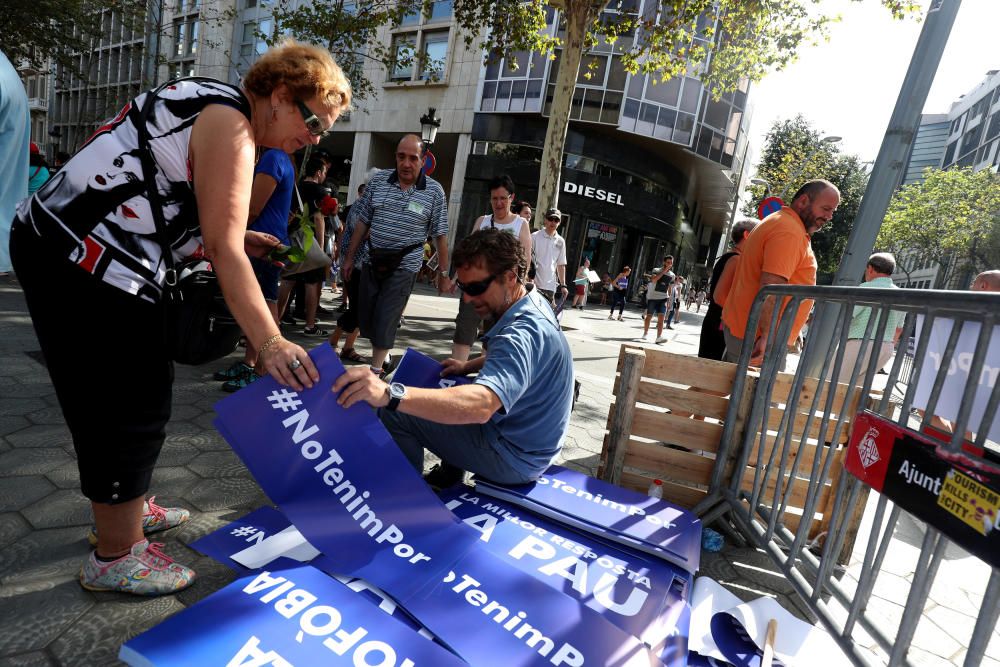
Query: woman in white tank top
column 501, row 197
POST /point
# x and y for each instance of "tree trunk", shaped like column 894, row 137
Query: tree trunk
column 578, row 14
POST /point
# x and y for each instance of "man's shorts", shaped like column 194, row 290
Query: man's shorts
column 308, row 277
column 656, row 307
column 381, row 303
column 268, row 277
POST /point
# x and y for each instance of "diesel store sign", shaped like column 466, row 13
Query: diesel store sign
column 593, row 193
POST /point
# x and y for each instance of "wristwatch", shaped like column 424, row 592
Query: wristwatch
column 444, row 274
column 397, row 392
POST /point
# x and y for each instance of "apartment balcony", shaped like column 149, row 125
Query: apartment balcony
column 38, row 104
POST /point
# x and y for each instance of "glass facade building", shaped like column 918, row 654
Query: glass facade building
column 669, row 153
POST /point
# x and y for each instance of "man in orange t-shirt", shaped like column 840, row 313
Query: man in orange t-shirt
column 777, row 252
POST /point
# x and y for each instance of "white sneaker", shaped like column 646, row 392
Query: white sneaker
column 646, row 338
column 661, row 339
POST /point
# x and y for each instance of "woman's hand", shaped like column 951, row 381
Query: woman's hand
column 258, row 244
column 289, row 364
column 452, row 367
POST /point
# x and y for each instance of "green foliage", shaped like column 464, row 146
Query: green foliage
column 723, row 41
column 349, row 28
column 951, row 217
column 41, row 29
column 795, row 153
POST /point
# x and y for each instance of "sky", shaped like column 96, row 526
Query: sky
column 848, row 86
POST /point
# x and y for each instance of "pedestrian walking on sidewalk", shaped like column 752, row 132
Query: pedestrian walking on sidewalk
column 467, row 321
column 619, row 289
column 657, row 294
column 401, row 207
column 581, row 284
column 86, row 240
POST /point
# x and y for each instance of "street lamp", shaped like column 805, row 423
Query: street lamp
column 761, row 181
column 429, row 125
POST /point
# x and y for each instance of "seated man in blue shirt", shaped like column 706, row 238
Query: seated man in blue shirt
column 508, row 425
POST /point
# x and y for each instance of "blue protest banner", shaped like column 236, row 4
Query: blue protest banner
column 491, row 614
column 341, row 479
column 256, row 527
column 314, row 460
column 298, row 616
column 416, row 369
column 645, row 596
column 265, row 538
column 611, row 512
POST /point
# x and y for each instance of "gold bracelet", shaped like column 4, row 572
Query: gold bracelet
column 268, row 343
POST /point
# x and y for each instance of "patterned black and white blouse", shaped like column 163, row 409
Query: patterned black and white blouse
column 94, row 211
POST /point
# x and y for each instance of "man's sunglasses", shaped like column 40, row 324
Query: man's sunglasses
column 476, row 288
column 313, row 123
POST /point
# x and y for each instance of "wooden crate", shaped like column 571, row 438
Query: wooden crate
column 652, row 433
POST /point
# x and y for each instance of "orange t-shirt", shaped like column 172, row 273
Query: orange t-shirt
column 778, row 245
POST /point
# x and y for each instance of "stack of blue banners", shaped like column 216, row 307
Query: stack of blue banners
column 464, row 580
column 631, row 519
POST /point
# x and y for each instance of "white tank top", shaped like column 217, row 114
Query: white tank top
column 514, row 226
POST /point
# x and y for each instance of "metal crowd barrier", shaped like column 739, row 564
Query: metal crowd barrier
column 754, row 494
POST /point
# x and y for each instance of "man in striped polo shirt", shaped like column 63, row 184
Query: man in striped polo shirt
column 401, row 207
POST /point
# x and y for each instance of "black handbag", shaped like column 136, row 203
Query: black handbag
column 198, row 326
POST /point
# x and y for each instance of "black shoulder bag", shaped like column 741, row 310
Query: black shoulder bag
column 198, row 326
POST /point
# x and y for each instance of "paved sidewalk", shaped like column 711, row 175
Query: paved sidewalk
column 46, row 618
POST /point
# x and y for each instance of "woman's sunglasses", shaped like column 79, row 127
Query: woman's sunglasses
column 313, row 123
column 476, row 288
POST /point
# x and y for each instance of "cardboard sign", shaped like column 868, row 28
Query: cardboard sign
column 610, row 512
column 953, row 391
column 348, row 488
column 298, row 616
column 902, row 464
column 644, row 596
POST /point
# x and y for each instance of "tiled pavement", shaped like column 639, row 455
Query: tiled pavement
column 47, row 619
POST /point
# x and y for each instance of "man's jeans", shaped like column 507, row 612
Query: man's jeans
column 466, row 446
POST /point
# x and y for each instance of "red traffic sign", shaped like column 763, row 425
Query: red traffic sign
column 430, row 163
column 768, row 206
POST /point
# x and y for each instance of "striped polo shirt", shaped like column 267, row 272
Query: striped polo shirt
column 399, row 218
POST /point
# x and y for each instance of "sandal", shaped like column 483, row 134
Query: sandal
column 349, row 354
